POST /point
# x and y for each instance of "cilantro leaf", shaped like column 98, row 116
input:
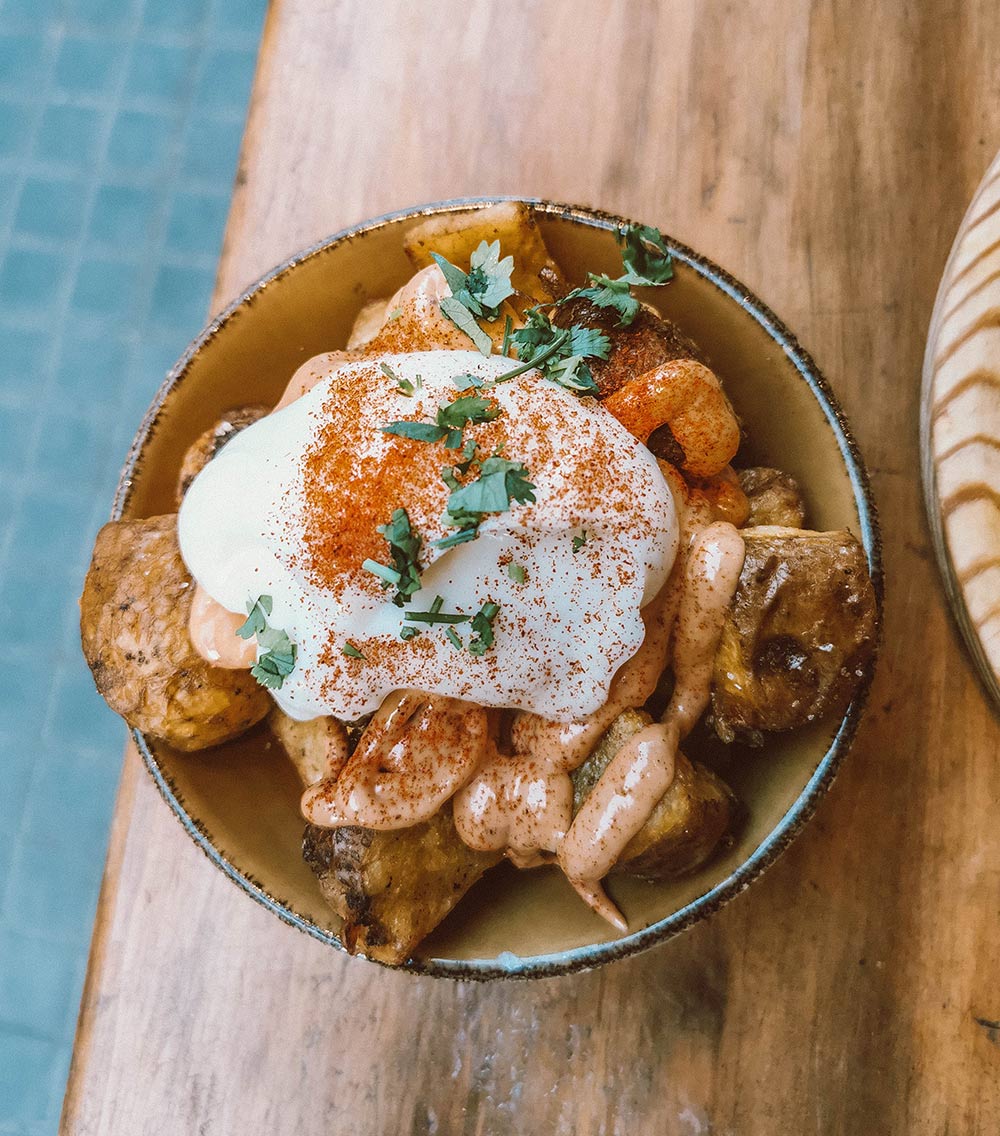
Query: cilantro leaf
column 516, row 572
column 403, row 385
column 579, row 542
column 404, row 546
column 482, row 625
column 465, row 381
column 490, row 277
column 468, row 408
column 277, row 659
column 607, row 293
column 416, row 431
column 645, row 255
column 464, row 320
column 560, row 353
column 256, row 621
column 351, row 651
column 499, row 483
column 478, row 293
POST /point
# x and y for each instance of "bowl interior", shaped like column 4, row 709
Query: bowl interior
column 241, row 800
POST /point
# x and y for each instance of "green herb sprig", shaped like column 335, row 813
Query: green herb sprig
column 277, row 660
column 451, row 420
column 478, row 293
column 404, row 547
column 647, row 262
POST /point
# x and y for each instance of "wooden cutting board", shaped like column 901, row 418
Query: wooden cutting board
column 825, row 153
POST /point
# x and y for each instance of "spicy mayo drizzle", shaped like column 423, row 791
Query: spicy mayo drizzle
column 643, row 769
column 417, row 750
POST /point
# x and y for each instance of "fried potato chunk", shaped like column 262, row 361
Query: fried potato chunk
column 456, row 235
column 134, row 626
column 799, row 634
column 648, row 342
column 317, row 748
column 393, row 888
column 690, row 822
column 208, row 444
column 774, row 497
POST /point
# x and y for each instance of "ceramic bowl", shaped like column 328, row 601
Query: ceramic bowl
column 240, row 802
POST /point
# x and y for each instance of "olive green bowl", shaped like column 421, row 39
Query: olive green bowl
column 239, row 802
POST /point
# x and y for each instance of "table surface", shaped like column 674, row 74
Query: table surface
column 824, row 152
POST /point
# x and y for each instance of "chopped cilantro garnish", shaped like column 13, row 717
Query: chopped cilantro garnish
column 394, row 315
column 508, row 325
column 478, row 293
column 516, row 572
column 351, row 651
column 647, row 261
column 645, row 255
column 499, row 483
column 465, row 381
column 388, row 575
column 408, row 633
column 454, row 639
column 256, row 621
column 482, row 625
column 404, row 385
column 277, row 660
column 404, row 545
column 452, row 418
column 560, row 353
column 434, row 617
column 456, row 538
column 579, row 542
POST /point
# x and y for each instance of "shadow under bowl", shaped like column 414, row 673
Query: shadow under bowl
column 239, row 802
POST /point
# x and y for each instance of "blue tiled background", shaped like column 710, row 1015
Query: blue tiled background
column 120, row 126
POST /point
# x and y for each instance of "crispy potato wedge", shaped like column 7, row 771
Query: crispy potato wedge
column 647, row 342
column 688, row 825
column 456, row 235
column 208, row 444
column 317, row 748
column 799, row 634
column 393, row 888
column 134, row 626
column 774, row 497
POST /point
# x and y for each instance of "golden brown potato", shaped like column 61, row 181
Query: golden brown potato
column 317, row 748
column 134, row 626
column 456, row 235
column 393, row 888
column 688, row 825
column 647, row 342
column 799, row 634
column 774, row 497
column 208, row 444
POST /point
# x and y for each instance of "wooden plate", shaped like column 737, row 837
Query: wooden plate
column 240, row 801
column 960, row 428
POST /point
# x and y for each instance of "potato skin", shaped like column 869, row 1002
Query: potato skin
column 393, row 888
column 799, row 635
column 134, row 627
column 207, row 445
column 316, row 748
column 774, row 497
column 691, row 821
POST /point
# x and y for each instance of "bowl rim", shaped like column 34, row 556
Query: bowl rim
column 796, row 815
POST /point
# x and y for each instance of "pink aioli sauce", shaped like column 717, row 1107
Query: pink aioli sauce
column 417, row 750
column 643, row 769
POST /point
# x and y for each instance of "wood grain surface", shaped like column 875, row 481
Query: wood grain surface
column 825, row 154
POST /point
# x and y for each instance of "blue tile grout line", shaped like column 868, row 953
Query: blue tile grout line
column 120, row 126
